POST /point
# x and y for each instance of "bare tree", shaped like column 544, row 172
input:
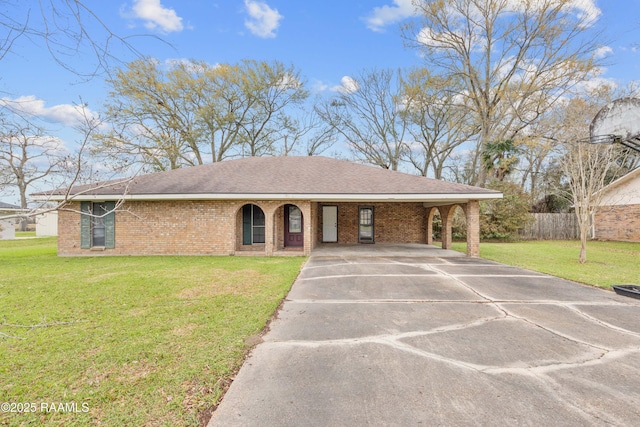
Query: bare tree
column 151, row 117
column 222, row 104
column 514, row 58
column 586, row 168
column 27, row 155
column 66, row 29
column 270, row 89
column 190, row 112
column 307, row 129
column 439, row 124
column 536, row 153
column 460, row 168
column 320, row 140
column 371, row 117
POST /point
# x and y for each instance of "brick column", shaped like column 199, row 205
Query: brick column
column 446, row 226
column 313, row 208
column 307, row 223
column 269, row 231
column 473, row 228
column 429, row 236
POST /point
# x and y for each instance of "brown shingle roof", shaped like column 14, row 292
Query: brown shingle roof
column 283, row 176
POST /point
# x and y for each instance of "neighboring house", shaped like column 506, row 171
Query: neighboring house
column 261, row 205
column 47, row 224
column 618, row 214
column 8, row 226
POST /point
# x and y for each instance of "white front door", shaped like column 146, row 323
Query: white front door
column 330, row 224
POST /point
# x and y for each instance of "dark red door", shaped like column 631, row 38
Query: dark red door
column 293, row 227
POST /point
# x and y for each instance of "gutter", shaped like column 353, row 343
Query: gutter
column 433, row 197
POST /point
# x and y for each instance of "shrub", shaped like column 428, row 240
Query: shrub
column 502, row 218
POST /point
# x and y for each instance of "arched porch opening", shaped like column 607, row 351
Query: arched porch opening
column 453, row 220
column 434, row 226
column 250, row 228
column 460, row 221
column 290, row 227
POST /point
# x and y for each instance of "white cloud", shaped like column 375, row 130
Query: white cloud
column 157, row 16
column 430, row 39
column 461, row 14
column 586, row 10
column 603, row 51
column 66, row 114
column 289, row 82
column 263, row 20
column 188, row 64
column 318, row 86
column 386, row 15
column 594, row 83
column 347, row 85
column 52, row 144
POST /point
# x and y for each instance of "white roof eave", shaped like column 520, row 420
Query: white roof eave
column 439, row 197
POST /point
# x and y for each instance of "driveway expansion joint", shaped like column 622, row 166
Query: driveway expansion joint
column 447, row 341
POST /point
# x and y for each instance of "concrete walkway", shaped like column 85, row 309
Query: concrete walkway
column 399, row 339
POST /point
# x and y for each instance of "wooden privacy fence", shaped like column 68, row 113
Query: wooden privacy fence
column 551, row 226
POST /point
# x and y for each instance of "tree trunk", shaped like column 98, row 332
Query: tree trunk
column 481, row 179
column 584, row 225
column 583, row 247
column 24, row 221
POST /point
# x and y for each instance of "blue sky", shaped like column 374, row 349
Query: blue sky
column 325, row 39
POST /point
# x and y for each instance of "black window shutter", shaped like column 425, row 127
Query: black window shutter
column 85, row 225
column 110, row 225
column 246, row 225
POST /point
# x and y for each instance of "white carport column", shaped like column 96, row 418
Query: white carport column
column 473, row 228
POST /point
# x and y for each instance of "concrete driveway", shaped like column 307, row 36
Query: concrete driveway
column 399, row 339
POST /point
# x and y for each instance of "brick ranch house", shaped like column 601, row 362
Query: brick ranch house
column 618, row 214
column 263, row 206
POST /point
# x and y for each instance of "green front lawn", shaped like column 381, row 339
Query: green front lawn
column 609, row 263
column 129, row 340
column 25, row 234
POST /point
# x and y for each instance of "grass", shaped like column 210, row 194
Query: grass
column 25, row 234
column 608, row 263
column 139, row 341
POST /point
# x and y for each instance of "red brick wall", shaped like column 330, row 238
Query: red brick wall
column 206, row 227
column 393, row 222
column 215, row 227
column 618, row 223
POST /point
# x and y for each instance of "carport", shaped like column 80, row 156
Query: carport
column 393, row 218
